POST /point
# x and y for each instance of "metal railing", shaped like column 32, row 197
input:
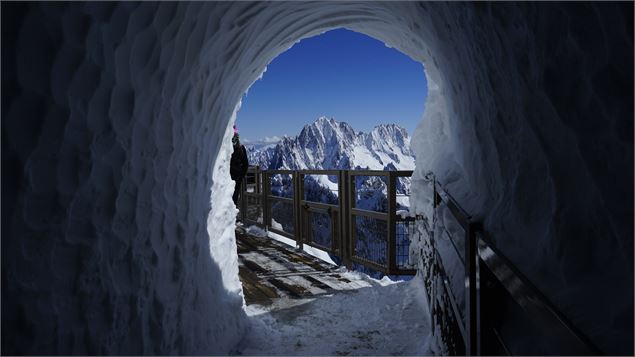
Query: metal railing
column 335, row 220
column 501, row 311
column 480, row 303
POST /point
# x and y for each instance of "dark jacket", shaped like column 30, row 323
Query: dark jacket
column 239, row 163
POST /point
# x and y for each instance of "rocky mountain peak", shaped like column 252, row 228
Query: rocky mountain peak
column 329, row 144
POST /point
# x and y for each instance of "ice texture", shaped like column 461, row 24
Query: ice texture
column 117, row 226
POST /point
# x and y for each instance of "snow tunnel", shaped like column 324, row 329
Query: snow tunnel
column 117, row 218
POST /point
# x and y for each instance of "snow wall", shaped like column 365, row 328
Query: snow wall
column 116, row 212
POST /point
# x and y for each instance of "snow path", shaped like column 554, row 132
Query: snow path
column 387, row 318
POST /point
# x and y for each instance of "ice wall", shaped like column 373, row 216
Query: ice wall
column 532, row 132
column 116, row 214
column 111, row 125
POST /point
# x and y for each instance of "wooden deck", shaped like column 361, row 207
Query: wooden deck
column 271, row 270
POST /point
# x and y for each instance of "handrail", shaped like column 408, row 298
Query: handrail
column 539, row 308
column 325, row 206
column 282, row 172
column 482, row 254
column 370, row 214
column 320, row 172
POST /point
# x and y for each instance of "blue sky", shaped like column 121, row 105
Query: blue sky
column 341, row 74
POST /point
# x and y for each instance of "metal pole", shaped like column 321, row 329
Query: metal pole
column 350, row 203
column 392, row 241
column 266, row 190
column 342, row 223
column 258, row 191
column 303, row 214
column 345, row 235
column 472, row 290
column 297, row 229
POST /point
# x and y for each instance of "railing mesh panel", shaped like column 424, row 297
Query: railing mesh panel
column 450, row 245
column 253, row 211
column 321, row 229
column 251, row 182
column 282, row 216
column 402, row 194
column 405, row 230
column 282, row 185
column 371, row 193
column 371, row 240
column 321, row 188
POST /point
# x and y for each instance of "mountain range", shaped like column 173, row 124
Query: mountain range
column 329, row 144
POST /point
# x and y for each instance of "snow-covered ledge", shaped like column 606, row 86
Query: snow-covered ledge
column 117, row 218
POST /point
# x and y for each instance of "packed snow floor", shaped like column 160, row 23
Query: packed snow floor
column 382, row 317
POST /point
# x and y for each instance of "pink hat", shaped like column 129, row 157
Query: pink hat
column 235, row 130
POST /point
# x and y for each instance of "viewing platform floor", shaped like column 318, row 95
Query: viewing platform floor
column 271, row 270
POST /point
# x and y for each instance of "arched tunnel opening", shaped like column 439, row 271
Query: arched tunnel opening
column 114, row 123
column 336, row 101
column 293, row 300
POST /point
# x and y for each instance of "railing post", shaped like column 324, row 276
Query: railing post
column 266, row 190
column 343, row 217
column 303, row 225
column 472, row 288
column 297, row 229
column 392, row 240
column 350, row 223
column 258, row 191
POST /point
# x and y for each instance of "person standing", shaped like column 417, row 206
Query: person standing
column 238, row 165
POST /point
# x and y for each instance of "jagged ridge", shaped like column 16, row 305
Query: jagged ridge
column 329, row 144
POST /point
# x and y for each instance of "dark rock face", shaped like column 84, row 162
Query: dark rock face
column 113, row 134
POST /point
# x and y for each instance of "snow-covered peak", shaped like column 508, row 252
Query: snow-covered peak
column 329, row 144
column 389, row 138
column 323, row 119
column 390, row 130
